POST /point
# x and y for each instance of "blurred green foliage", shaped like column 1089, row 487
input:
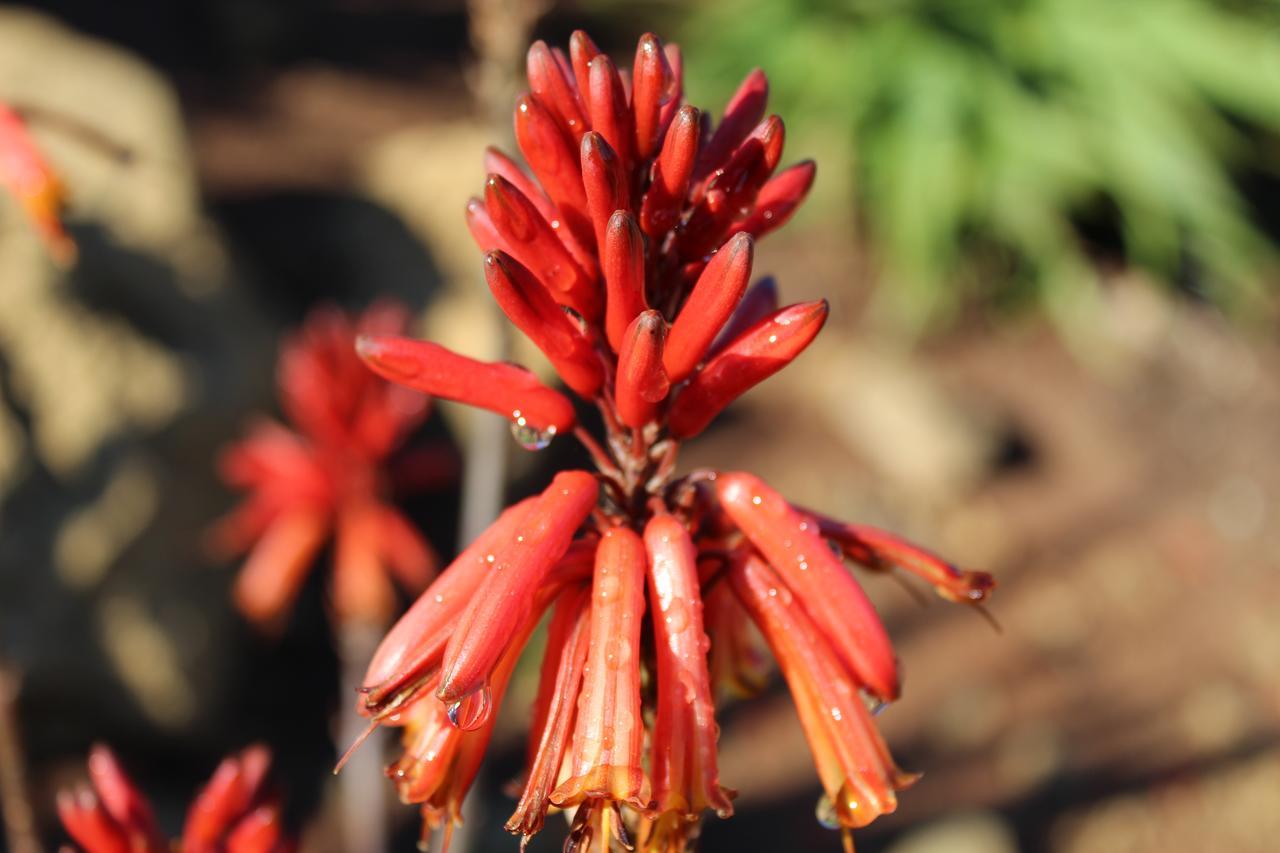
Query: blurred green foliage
column 986, row 131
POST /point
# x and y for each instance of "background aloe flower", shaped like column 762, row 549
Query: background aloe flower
column 27, row 175
column 627, row 260
column 329, row 479
column 238, row 811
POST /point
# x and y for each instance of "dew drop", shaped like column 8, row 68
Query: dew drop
column 773, row 339
column 473, row 710
column 825, row 812
column 617, row 652
column 439, row 598
column 757, row 500
column 676, row 616
column 529, row 437
column 836, row 714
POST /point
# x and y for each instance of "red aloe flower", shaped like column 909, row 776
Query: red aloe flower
column 626, row 258
column 330, row 479
column 28, row 176
column 238, row 811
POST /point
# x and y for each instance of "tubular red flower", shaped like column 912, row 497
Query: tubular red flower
column 879, row 549
column 328, row 479
column 739, row 662
column 858, row 774
column 505, row 597
column 532, row 241
column 709, row 306
column 608, row 739
column 236, row 812
column 503, row 388
column 686, row 777
column 413, row 648
column 624, row 277
column 757, row 354
column 530, row 307
column 642, row 382
column 794, row 547
column 497, row 163
column 568, row 639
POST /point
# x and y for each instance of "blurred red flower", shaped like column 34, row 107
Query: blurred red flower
column 627, row 260
column 27, row 175
column 238, row 811
column 330, row 480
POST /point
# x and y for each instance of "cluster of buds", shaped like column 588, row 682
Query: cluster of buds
column 330, row 480
column 238, row 811
column 626, row 258
column 26, row 174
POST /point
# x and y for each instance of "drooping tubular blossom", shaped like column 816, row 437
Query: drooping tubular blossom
column 329, row 479
column 237, row 811
column 625, row 255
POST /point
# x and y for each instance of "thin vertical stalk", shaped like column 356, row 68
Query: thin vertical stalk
column 15, row 803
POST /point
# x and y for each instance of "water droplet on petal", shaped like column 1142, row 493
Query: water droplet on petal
column 473, row 710
column 825, row 812
column 676, row 616
column 529, row 437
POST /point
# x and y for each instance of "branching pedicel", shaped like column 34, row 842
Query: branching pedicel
column 627, row 263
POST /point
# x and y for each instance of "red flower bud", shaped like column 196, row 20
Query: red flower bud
column 757, row 354
column 652, row 88
column 497, row 163
column 534, row 243
column 551, row 154
column 641, row 382
column 624, row 275
column 709, row 306
column 482, row 229
column 555, row 90
column 581, row 51
column 530, row 307
column 606, row 184
column 607, row 105
column 499, row 387
column 794, row 547
column 660, row 208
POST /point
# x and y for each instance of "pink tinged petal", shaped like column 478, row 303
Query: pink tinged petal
column 260, row 831
column 121, row 798
column 505, row 598
column 555, row 89
column 506, row 389
column 795, row 548
column 89, row 825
